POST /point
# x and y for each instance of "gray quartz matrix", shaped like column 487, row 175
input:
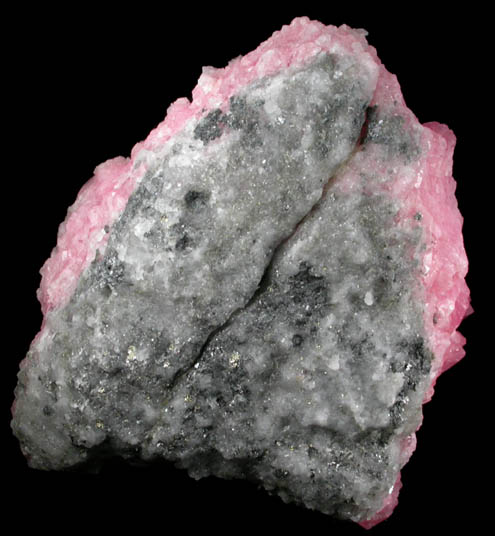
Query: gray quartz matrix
column 244, row 319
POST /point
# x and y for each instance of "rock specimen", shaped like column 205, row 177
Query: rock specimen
column 267, row 289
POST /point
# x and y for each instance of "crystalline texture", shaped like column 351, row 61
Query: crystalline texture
column 267, row 289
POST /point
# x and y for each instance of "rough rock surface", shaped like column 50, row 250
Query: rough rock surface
column 267, row 289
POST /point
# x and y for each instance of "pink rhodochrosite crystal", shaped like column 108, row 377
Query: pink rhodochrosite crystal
column 268, row 288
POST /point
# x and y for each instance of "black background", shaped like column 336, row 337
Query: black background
column 84, row 86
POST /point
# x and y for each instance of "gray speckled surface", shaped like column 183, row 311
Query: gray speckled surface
column 243, row 322
column 310, row 386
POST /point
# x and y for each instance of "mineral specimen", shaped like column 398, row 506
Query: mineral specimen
column 267, row 289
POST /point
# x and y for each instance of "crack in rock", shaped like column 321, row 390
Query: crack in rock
column 264, row 281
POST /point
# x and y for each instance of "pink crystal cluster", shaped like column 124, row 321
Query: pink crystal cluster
column 444, row 263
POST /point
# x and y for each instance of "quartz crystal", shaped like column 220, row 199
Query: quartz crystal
column 267, row 288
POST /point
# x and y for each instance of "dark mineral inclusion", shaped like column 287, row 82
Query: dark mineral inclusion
column 247, row 316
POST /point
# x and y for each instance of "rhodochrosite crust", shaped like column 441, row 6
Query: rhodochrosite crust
column 267, row 288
